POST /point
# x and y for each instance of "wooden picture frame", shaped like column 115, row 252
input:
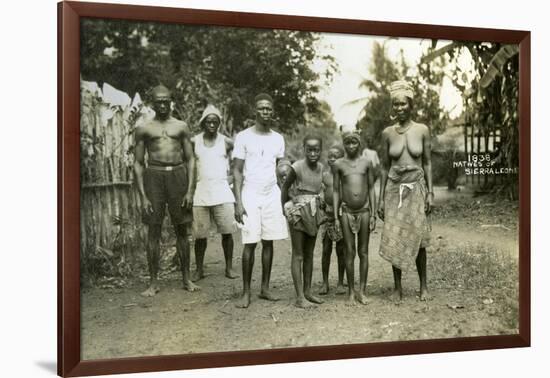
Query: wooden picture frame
column 69, row 357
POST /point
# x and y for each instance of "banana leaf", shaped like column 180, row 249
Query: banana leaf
column 496, row 64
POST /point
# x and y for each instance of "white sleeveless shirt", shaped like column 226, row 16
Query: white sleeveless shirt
column 212, row 167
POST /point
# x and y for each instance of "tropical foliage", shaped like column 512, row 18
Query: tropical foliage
column 490, row 95
column 489, row 88
column 222, row 65
column 426, row 83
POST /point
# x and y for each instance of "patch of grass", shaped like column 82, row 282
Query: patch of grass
column 474, row 266
column 481, row 210
column 482, row 269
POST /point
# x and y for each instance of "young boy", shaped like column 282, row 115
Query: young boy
column 354, row 202
column 304, row 217
column 330, row 233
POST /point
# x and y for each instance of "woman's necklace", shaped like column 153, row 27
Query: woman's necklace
column 404, row 129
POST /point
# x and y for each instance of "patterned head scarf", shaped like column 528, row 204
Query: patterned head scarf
column 210, row 109
column 351, row 134
column 401, row 88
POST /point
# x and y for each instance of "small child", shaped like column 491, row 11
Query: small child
column 304, row 217
column 354, row 202
column 330, row 232
column 284, row 166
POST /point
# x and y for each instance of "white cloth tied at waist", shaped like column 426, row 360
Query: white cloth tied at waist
column 303, row 200
column 402, row 188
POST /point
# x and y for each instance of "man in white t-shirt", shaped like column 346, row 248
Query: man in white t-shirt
column 258, row 197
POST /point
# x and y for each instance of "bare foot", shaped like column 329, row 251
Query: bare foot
column 424, row 295
column 197, row 275
column 396, row 296
column 324, row 289
column 312, row 298
column 340, row 289
column 303, row 303
column 151, row 291
column 351, row 298
column 362, row 298
column 229, row 273
column 190, row 286
column 267, row 296
column 243, row 302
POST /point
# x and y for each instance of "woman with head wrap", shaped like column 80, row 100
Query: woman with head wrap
column 406, row 191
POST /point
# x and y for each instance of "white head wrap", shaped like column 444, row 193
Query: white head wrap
column 210, row 109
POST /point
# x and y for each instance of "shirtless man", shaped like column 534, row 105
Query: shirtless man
column 354, row 201
column 258, row 197
column 406, row 191
column 330, row 233
column 164, row 181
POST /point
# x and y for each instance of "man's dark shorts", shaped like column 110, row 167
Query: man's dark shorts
column 166, row 187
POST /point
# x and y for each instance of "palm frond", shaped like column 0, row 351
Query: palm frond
column 439, row 52
column 357, row 101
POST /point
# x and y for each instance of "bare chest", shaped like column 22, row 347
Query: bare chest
column 164, row 138
column 353, row 167
column 409, row 142
column 164, row 131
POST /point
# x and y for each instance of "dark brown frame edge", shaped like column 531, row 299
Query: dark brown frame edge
column 69, row 362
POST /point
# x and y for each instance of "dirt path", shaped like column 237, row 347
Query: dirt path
column 121, row 323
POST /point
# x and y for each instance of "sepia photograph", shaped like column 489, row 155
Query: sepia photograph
column 255, row 189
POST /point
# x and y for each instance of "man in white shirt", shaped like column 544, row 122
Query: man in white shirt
column 258, row 197
column 213, row 198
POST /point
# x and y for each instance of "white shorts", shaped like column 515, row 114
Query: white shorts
column 264, row 219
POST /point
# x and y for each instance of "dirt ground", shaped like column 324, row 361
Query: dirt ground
column 117, row 322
